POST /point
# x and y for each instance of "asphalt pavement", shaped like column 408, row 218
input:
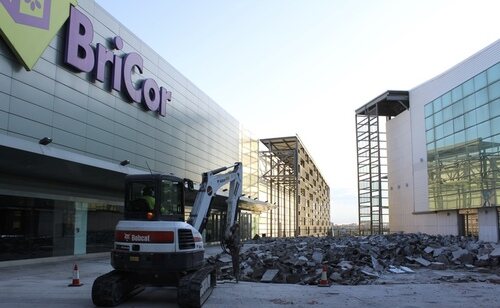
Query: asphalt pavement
column 45, row 284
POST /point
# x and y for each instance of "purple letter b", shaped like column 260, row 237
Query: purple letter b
column 79, row 53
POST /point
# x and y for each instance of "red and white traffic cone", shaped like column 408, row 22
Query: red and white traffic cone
column 76, row 278
column 323, row 282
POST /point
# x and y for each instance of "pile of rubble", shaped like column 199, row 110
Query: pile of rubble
column 357, row 260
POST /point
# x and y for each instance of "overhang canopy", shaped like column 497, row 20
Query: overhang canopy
column 389, row 104
column 282, row 147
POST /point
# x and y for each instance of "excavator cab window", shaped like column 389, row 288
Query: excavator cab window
column 158, row 198
column 140, row 200
column 172, row 205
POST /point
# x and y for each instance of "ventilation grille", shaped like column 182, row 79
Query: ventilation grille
column 186, row 240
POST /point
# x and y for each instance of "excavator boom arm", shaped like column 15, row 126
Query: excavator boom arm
column 212, row 181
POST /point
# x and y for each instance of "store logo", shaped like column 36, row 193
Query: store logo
column 121, row 69
column 28, row 26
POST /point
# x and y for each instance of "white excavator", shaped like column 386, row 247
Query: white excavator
column 154, row 246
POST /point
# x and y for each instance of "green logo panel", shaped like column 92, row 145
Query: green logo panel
column 28, row 26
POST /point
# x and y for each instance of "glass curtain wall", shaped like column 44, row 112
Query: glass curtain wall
column 463, row 144
column 38, row 227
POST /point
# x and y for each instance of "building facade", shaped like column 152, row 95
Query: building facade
column 295, row 187
column 84, row 102
column 443, row 152
column 69, row 133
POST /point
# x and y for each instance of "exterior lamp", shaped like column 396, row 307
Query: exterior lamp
column 125, row 162
column 45, row 140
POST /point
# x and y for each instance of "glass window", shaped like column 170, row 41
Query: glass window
column 483, row 130
column 448, row 141
column 446, row 99
column 493, row 73
column 429, row 123
column 140, row 198
column 447, row 113
column 431, row 146
column 480, row 81
column 437, row 104
column 456, row 94
column 439, row 144
column 438, row 118
column 481, row 97
column 101, row 221
column 470, row 118
column 495, row 108
column 171, row 198
column 430, row 135
column 494, row 90
column 495, row 126
column 459, row 137
column 448, row 128
column 458, row 123
column 458, row 108
column 468, row 87
column 428, row 109
column 439, row 132
column 471, row 133
column 482, row 113
column 469, row 103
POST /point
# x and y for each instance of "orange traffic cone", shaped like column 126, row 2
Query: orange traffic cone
column 323, row 282
column 76, row 278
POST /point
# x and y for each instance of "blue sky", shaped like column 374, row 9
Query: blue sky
column 286, row 67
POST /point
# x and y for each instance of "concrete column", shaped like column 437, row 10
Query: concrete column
column 80, row 228
column 487, row 219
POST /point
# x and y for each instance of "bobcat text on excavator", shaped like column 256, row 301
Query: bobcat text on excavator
column 154, row 246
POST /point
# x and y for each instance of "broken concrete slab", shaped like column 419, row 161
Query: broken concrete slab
column 376, row 265
column 428, row 249
column 269, row 275
column 422, row 261
column 345, row 265
column 495, row 252
column 317, row 256
column 438, row 266
column 437, row 252
column 407, row 269
column 459, row 253
column 369, row 271
column 225, row 259
column 396, row 270
column 335, row 276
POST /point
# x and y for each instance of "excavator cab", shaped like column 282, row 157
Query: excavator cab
column 155, row 197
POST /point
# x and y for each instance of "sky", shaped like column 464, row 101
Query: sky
column 302, row 67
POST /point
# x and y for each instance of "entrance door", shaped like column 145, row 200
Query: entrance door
column 468, row 225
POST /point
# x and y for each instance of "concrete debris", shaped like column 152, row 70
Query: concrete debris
column 407, row 269
column 358, row 260
column 395, row 270
column 438, row 266
column 495, row 252
column 269, row 275
column 422, row 261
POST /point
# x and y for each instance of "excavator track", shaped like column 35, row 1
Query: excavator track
column 113, row 288
column 195, row 288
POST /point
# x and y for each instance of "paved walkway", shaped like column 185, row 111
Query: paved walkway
column 46, row 285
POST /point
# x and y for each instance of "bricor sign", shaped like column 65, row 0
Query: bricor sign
column 82, row 56
column 28, row 26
